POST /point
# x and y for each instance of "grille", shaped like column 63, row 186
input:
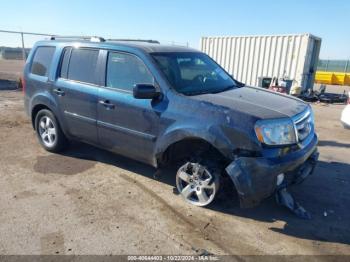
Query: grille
column 304, row 125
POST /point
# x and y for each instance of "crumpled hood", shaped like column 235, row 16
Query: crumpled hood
column 257, row 102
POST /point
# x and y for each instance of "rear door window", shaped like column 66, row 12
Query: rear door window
column 82, row 65
column 124, row 71
column 65, row 62
column 42, row 60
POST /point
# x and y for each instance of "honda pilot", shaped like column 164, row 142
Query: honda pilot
column 165, row 104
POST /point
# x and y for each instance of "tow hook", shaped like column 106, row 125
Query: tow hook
column 285, row 198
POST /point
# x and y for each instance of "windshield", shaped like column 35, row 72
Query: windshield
column 192, row 73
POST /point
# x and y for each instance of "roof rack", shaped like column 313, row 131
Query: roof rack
column 101, row 39
column 86, row 38
column 136, row 40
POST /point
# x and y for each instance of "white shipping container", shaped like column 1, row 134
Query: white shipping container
column 247, row 58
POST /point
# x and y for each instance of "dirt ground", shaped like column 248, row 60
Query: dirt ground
column 89, row 201
column 11, row 69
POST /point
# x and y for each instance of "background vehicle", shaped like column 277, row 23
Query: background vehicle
column 158, row 104
column 345, row 116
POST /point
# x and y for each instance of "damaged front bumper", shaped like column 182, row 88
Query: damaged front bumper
column 255, row 178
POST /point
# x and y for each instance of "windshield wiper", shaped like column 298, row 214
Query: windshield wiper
column 240, row 84
column 194, row 93
column 201, row 92
column 223, row 90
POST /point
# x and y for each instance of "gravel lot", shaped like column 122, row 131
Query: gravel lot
column 11, row 69
column 89, row 201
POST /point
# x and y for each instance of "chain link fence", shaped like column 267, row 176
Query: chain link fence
column 341, row 66
column 15, row 47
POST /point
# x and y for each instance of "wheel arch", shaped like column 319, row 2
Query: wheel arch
column 189, row 141
column 45, row 101
column 35, row 111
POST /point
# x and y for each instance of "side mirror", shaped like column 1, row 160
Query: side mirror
column 145, row 91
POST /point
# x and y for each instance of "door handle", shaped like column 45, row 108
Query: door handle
column 107, row 104
column 58, row 92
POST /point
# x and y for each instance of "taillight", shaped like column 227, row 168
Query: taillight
column 23, row 84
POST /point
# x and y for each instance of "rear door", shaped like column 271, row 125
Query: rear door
column 127, row 125
column 77, row 88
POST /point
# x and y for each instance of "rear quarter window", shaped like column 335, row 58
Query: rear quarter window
column 42, row 60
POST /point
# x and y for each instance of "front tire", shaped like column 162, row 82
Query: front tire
column 198, row 182
column 49, row 132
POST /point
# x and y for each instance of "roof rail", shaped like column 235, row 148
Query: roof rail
column 136, row 40
column 86, row 38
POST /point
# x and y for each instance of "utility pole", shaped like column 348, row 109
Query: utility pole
column 24, row 56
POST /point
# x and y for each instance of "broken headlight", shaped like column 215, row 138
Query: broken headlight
column 276, row 131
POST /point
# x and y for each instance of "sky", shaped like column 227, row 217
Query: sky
column 181, row 21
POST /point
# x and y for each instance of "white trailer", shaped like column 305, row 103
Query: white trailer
column 249, row 58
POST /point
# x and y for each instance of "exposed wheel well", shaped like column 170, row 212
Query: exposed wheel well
column 189, row 147
column 35, row 111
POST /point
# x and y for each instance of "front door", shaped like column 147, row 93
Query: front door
column 127, row 125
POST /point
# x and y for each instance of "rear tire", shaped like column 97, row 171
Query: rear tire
column 49, row 132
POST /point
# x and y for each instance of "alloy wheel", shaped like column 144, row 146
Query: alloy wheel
column 47, row 131
column 196, row 184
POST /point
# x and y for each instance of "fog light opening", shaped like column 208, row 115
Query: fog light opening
column 280, row 179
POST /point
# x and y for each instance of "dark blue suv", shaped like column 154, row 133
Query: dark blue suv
column 160, row 104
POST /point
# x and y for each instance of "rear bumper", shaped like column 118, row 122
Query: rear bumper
column 256, row 178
